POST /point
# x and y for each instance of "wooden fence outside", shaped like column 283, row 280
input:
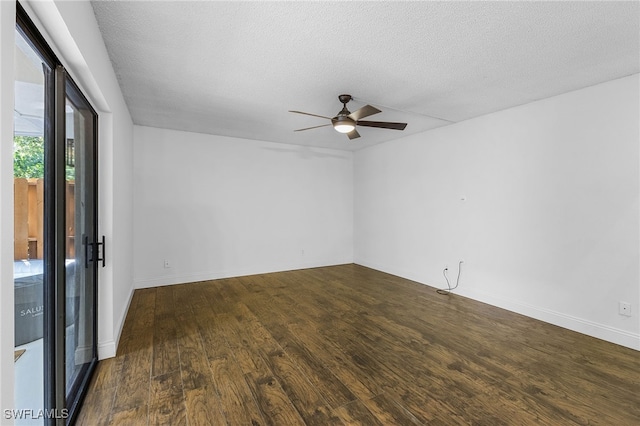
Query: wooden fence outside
column 28, row 225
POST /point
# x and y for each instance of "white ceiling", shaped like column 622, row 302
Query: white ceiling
column 236, row 68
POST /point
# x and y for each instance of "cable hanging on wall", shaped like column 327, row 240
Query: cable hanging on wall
column 449, row 289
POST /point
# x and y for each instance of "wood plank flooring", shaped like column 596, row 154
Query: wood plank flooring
column 350, row 345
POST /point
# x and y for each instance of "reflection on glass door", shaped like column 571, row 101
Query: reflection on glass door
column 29, row 236
column 81, row 250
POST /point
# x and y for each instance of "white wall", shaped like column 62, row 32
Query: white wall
column 216, row 206
column 550, row 225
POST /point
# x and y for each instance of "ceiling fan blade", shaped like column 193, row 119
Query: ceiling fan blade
column 363, row 112
column 353, row 134
column 308, row 113
column 314, row 127
column 382, row 124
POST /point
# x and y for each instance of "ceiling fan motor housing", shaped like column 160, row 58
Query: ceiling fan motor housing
column 342, row 120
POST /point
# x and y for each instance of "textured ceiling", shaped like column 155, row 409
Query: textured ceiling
column 236, row 68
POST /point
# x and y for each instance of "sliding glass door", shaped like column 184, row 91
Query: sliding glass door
column 57, row 251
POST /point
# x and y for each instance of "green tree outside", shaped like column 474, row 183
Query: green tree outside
column 28, row 158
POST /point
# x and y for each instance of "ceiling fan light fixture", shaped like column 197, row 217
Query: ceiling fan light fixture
column 343, row 124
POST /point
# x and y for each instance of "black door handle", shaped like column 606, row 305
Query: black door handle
column 95, row 251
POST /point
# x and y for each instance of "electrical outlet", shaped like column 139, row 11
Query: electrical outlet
column 167, row 264
column 624, row 308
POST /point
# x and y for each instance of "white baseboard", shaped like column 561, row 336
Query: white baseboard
column 109, row 348
column 229, row 273
column 580, row 325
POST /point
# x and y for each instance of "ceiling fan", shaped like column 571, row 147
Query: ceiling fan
column 346, row 122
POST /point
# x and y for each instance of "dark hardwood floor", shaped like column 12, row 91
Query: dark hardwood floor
column 350, row 345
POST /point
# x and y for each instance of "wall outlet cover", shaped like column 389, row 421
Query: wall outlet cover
column 624, row 308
